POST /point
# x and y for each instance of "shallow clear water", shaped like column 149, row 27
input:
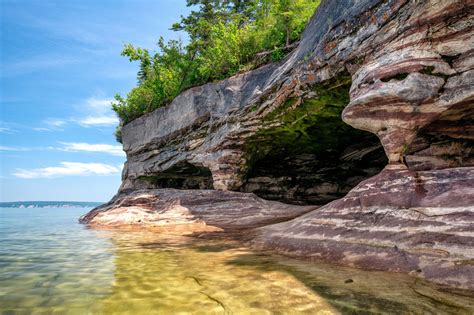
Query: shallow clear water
column 50, row 264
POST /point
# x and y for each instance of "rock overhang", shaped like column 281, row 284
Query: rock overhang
column 410, row 68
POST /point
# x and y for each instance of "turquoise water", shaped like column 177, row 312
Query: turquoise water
column 50, row 264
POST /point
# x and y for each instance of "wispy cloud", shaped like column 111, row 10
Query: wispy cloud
column 88, row 147
column 115, row 150
column 42, row 129
column 7, row 130
column 55, row 122
column 98, row 104
column 52, row 124
column 68, row 169
column 87, row 32
column 99, row 113
column 99, row 121
column 7, row 148
column 34, row 64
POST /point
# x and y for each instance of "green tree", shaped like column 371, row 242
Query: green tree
column 226, row 37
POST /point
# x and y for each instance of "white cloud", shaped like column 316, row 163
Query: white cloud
column 68, row 169
column 99, row 113
column 54, row 122
column 41, row 129
column 115, row 150
column 98, row 104
column 6, row 130
column 7, row 148
column 99, row 121
column 88, row 147
column 92, row 112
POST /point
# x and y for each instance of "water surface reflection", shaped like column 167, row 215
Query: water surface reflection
column 50, row 264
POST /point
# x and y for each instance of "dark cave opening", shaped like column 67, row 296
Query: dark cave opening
column 311, row 178
column 181, row 176
column 447, row 142
column 312, row 156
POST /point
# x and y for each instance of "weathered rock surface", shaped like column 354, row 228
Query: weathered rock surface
column 191, row 211
column 400, row 220
column 400, row 72
column 410, row 65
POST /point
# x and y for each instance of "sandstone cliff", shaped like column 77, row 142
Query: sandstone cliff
column 399, row 182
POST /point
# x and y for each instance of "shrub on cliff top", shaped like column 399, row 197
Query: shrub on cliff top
column 226, row 37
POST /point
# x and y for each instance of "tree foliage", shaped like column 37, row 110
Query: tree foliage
column 225, row 37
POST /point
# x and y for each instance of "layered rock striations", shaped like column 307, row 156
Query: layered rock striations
column 191, row 211
column 395, row 174
column 420, row 222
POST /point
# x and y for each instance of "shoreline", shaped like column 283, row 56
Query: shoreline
column 262, row 225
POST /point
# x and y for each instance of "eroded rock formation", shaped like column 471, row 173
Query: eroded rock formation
column 192, row 211
column 400, row 72
column 419, row 222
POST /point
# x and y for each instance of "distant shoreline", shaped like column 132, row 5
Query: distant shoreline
column 49, row 204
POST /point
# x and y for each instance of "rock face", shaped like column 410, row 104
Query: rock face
column 191, row 211
column 400, row 72
column 400, row 220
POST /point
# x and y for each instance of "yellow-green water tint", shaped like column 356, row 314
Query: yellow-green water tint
column 49, row 264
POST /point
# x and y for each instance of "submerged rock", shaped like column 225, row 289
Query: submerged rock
column 401, row 184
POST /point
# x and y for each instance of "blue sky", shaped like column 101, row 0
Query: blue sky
column 60, row 68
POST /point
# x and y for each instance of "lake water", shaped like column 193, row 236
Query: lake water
column 50, row 264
